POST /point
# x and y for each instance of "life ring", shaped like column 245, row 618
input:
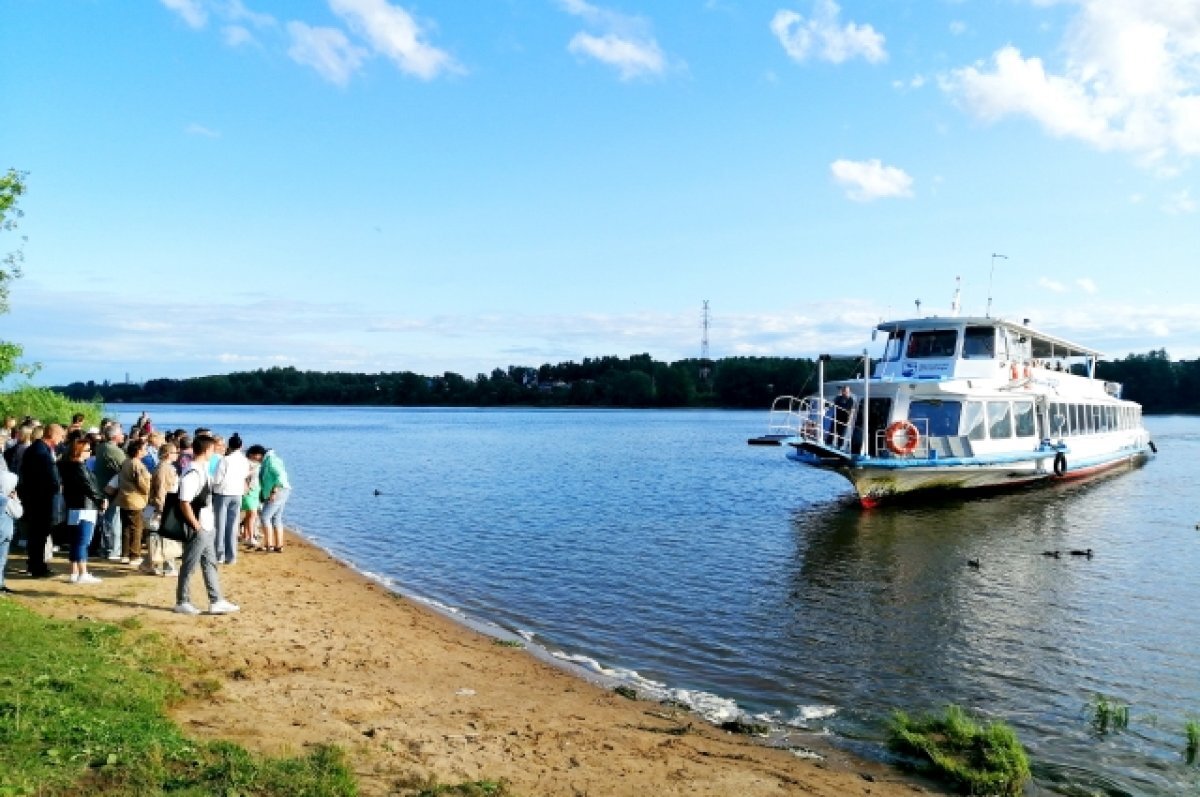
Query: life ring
column 908, row 430
column 1060, row 464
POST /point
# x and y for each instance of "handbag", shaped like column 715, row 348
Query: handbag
column 171, row 525
column 150, row 518
column 113, row 486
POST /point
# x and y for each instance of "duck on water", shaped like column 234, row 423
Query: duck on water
column 962, row 403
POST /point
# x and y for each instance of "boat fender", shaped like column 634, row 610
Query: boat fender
column 1028, row 372
column 1014, row 372
column 902, row 429
column 1060, row 464
column 1153, row 447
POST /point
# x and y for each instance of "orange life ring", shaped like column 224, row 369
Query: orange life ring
column 1028, row 372
column 1014, row 372
column 912, row 437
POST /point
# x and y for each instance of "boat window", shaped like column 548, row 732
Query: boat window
column 895, row 345
column 1075, row 421
column 932, row 343
column 940, row 418
column 973, row 421
column 1059, row 426
column 979, row 343
column 999, row 420
column 1023, row 415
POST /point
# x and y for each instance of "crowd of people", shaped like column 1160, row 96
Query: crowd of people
column 162, row 502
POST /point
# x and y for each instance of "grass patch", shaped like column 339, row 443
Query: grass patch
column 973, row 759
column 1109, row 715
column 83, row 711
column 48, row 406
column 429, row 787
column 627, row 692
column 508, row 643
column 1192, row 730
column 745, row 728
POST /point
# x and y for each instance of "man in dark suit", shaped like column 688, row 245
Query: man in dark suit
column 37, row 488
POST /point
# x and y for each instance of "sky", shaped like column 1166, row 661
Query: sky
column 365, row 185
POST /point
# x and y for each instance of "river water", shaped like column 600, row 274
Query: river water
column 659, row 548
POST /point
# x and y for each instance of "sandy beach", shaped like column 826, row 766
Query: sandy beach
column 320, row 654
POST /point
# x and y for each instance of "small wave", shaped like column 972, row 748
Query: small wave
column 526, row 635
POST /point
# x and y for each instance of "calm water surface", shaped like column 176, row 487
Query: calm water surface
column 658, row 542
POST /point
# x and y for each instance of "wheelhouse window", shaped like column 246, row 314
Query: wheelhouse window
column 1024, row 419
column 979, row 343
column 999, row 420
column 895, row 345
column 932, row 343
column 939, row 417
column 974, row 421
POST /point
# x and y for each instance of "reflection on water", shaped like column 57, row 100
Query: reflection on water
column 660, row 542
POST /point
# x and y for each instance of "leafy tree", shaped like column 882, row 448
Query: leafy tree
column 12, row 187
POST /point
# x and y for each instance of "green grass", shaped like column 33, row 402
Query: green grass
column 83, row 711
column 47, row 406
column 973, row 759
column 1109, row 715
column 1192, row 730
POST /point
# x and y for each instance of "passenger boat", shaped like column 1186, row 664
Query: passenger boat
column 963, row 403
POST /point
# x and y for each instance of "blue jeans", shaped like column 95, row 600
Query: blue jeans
column 110, row 530
column 81, row 541
column 226, row 509
column 6, row 535
column 272, row 511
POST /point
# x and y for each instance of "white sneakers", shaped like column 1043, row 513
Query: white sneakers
column 219, row 607
column 223, row 607
column 86, row 578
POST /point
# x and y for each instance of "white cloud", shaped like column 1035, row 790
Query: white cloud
column 912, row 84
column 237, row 35
column 631, row 58
column 196, row 129
column 1129, row 80
column 1180, row 203
column 620, row 41
column 394, row 33
column 869, row 180
column 190, row 11
column 326, row 50
column 1087, row 285
column 824, row 37
column 1051, row 285
column 958, row 28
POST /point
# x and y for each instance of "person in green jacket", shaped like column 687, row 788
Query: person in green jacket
column 275, row 489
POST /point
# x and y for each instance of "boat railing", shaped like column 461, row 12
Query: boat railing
column 812, row 420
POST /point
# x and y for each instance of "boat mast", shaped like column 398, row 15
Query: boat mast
column 990, row 273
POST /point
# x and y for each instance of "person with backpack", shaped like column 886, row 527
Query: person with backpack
column 194, row 506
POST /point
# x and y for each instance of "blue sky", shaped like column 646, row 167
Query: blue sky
column 219, row 185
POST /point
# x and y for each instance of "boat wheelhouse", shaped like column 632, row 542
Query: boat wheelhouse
column 963, row 403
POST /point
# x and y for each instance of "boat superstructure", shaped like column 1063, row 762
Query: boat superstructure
column 962, row 403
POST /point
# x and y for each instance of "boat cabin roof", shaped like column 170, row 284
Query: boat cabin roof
column 1043, row 344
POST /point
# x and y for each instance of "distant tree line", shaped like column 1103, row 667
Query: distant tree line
column 1159, row 384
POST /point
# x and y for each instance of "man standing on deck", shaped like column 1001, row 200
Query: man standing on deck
column 195, row 511
column 843, row 407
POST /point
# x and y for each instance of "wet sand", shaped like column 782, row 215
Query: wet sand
column 320, row 654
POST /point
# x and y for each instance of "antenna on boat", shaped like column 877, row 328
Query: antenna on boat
column 918, row 306
column 990, row 273
column 957, row 295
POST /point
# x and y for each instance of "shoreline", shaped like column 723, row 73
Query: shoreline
column 323, row 653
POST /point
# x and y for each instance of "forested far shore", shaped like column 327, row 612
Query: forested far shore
column 1159, row 384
